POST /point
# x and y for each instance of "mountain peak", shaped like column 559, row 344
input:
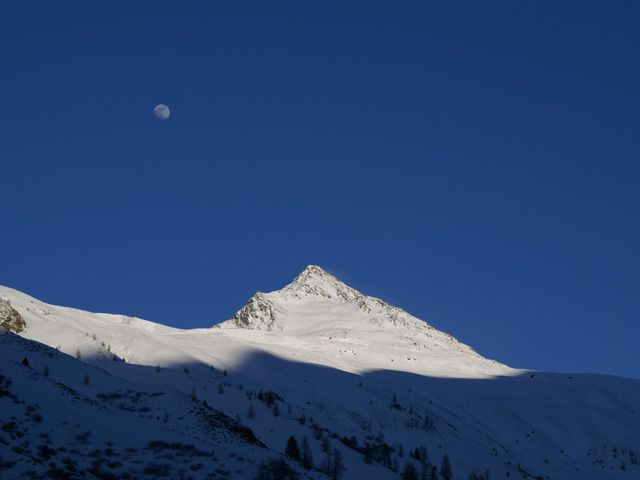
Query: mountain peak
column 316, row 301
column 312, row 274
column 264, row 311
column 311, row 271
column 314, row 281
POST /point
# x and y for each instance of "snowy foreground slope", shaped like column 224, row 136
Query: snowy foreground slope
column 346, row 374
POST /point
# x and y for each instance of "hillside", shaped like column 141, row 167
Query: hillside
column 316, row 360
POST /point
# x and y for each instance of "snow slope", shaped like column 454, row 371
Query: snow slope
column 351, row 373
column 62, row 418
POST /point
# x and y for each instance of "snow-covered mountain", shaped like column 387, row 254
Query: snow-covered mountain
column 327, row 322
column 345, row 374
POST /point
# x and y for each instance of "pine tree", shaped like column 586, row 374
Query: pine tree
column 425, row 464
column 25, row 362
column 78, row 354
column 275, row 410
column 220, row 389
column 428, row 424
column 333, row 465
column 338, row 465
column 367, row 453
column 409, row 472
column 480, row 476
column 307, row 459
column 275, row 469
column 262, row 473
column 424, row 471
column 325, row 445
column 327, row 464
column 292, row 449
column 87, row 381
column 434, row 473
column 447, row 473
column 251, row 412
column 424, row 455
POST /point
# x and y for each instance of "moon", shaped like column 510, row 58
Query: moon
column 161, row 111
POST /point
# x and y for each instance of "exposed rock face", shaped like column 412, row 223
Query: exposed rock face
column 10, row 319
column 314, row 281
column 258, row 314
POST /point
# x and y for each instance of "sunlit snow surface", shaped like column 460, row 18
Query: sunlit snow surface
column 340, row 358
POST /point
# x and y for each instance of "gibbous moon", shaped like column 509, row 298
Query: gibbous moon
column 161, row 111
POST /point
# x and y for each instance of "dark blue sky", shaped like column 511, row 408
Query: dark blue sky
column 473, row 162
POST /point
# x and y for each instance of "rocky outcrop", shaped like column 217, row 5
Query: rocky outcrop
column 10, row 319
column 314, row 281
column 258, row 314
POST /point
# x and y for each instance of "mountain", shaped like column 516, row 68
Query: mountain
column 317, row 360
column 342, row 328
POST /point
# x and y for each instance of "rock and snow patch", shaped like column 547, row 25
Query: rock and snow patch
column 258, row 314
column 314, row 281
column 10, row 319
